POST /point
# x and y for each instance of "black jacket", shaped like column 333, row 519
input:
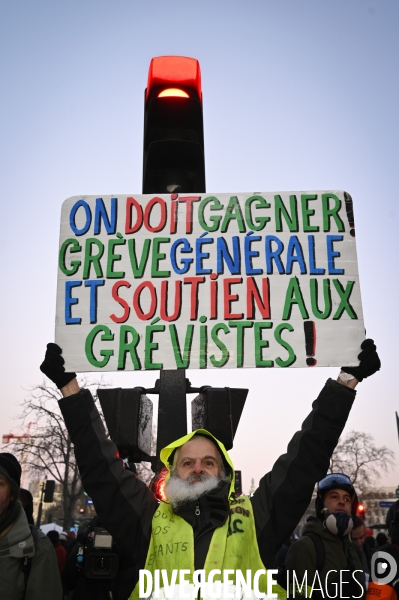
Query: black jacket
column 126, row 506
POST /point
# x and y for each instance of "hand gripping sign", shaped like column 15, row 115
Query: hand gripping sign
column 208, row 281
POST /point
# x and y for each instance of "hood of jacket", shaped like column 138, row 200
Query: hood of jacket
column 167, row 453
column 19, row 540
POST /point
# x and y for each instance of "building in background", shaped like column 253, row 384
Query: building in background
column 52, row 512
column 376, row 503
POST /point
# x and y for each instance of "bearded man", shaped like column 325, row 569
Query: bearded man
column 201, row 525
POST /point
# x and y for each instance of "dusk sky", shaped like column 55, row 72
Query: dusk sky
column 298, row 95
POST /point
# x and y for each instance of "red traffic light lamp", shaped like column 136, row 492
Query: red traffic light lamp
column 173, row 152
column 174, row 76
column 361, row 511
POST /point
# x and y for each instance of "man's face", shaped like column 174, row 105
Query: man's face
column 197, row 457
column 358, row 536
column 337, row 500
column 5, row 495
column 197, row 471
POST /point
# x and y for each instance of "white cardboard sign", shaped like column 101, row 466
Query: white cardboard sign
column 208, row 281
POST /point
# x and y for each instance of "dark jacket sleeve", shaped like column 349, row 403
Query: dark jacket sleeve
column 123, row 503
column 284, row 493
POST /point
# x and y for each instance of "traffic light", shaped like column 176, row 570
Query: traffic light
column 49, row 491
column 361, row 511
column 128, row 415
column 218, row 410
column 237, row 483
column 173, row 157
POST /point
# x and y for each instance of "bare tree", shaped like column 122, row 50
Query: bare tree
column 48, row 450
column 357, row 456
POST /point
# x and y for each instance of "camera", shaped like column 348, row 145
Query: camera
column 100, row 562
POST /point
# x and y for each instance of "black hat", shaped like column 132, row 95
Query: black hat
column 10, row 467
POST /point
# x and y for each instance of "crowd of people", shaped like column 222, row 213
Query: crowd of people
column 199, row 527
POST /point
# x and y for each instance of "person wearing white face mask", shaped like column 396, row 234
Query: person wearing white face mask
column 325, row 551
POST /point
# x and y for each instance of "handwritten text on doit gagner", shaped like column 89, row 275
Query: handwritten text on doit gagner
column 208, row 281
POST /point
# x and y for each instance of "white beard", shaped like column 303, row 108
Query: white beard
column 182, row 490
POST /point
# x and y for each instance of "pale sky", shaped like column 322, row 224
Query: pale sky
column 298, row 95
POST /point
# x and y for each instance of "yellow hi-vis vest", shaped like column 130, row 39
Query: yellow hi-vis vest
column 233, row 546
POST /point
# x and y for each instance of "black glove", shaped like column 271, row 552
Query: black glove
column 369, row 362
column 53, row 366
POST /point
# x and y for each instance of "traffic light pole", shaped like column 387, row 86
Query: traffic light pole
column 173, row 164
column 172, row 409
column 39, row 512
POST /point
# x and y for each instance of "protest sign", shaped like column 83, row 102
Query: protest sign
column 208, row 281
